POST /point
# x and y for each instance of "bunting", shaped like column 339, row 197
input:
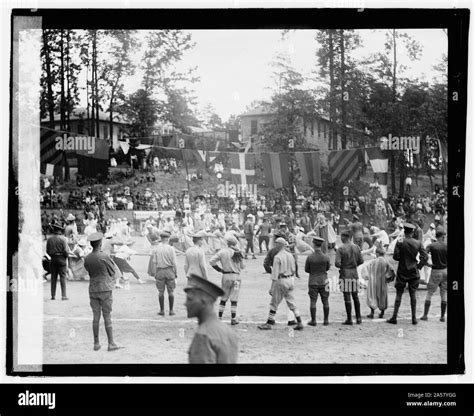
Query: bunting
column 344, row 164
column 379, row 163
column 242, row 168
column 276, row 168
column 310, row 168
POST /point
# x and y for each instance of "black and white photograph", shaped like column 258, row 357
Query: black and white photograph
column 264, row 194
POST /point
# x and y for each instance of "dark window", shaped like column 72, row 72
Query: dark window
column 80, row 126
column 253, row 127
column 106, row 131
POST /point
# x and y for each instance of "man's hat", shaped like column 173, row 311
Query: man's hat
column 432, row 225
column 58, row 227
column 408, row 226
column 108, row 234
column 249, row 215
column 231, row 240
column 380, row 251
column 279, row 233
column 204, row 285
column 165, row 234
column 281, row 241
column 346, row 233
column 355, row 217
column 95, row 237
column 282, row 224
column 318, row 241
column 70, row 217
column 82, row 242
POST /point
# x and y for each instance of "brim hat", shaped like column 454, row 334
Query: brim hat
column 203, row 285
column 95, row 237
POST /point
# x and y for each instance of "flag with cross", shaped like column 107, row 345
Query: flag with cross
column 242, row 168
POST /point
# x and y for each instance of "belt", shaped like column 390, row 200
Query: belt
column 229, row 272
column 284, row 276
column 439, row 268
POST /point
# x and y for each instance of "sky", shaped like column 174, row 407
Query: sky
column 234, row 65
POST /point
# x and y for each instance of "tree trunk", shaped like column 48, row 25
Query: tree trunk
column 50, row 95
column 332, row 133
column 394, row 99
column 343, row 87
column 62, row 105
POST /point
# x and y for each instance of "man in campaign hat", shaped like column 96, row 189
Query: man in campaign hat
column 348, row 257
column 101, row 269
column 249, row 234
column 317, row 265
column 283, row 270
column 163, row 259
column 194, row 257
column 408, row 270
column 58, row 250
column 213, row 342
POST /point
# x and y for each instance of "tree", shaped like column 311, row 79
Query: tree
column 116, row 67
column 142, row 112
column 388, row 67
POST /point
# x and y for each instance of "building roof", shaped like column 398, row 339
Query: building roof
column 81, row 112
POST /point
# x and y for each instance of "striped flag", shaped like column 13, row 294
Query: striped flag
column 48, row 152
column 242, row 168
column 379, row 163
column 344, row 164
column 310, row 168
column 276, row 167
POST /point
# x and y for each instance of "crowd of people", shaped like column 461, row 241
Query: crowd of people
column 365, row 252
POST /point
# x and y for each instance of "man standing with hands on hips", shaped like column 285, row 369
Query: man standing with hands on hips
column 408, row 270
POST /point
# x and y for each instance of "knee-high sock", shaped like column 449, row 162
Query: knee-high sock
column 427, row 307
column 398, row 302
column 233, row 309
column 355, row 297
column 161, row 299
column 108, row 328
column 271, row 316
column 171, row 301
column 221, row 308
column 326, row 313
column 443, row 308
column 312, row 311
column 413, row 304
column 95, row 327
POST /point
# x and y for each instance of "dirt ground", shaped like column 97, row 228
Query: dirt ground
column 148, row 338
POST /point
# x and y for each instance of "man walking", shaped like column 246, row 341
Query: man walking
column 58, row 250
column 194, row 258
column 408, row 270
column 348, row 257
column 317, row 265
column 164, row 263
column 263, row 234
column 101, row 270
column 214, row 342
column 282, row 287
column 439, row 273
column 231, row 260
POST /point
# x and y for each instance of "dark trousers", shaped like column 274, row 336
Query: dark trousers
column 261, row 239
column 249, row 244
column 61, row 270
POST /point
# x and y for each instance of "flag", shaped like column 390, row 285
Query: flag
column 310, row 168
column 276, row 168
column 242, row 168
column 49, row 154
column 344, row 164
column 379, row 163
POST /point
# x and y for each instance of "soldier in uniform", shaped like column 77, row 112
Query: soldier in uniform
column 101, row 269
column 317, row 265
column 408, row 270
column 283, row 271
column 439, row 273
column 214, row 342
column 231, row 260
column 58, row 250
column 164, row 263
column 348, row 257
